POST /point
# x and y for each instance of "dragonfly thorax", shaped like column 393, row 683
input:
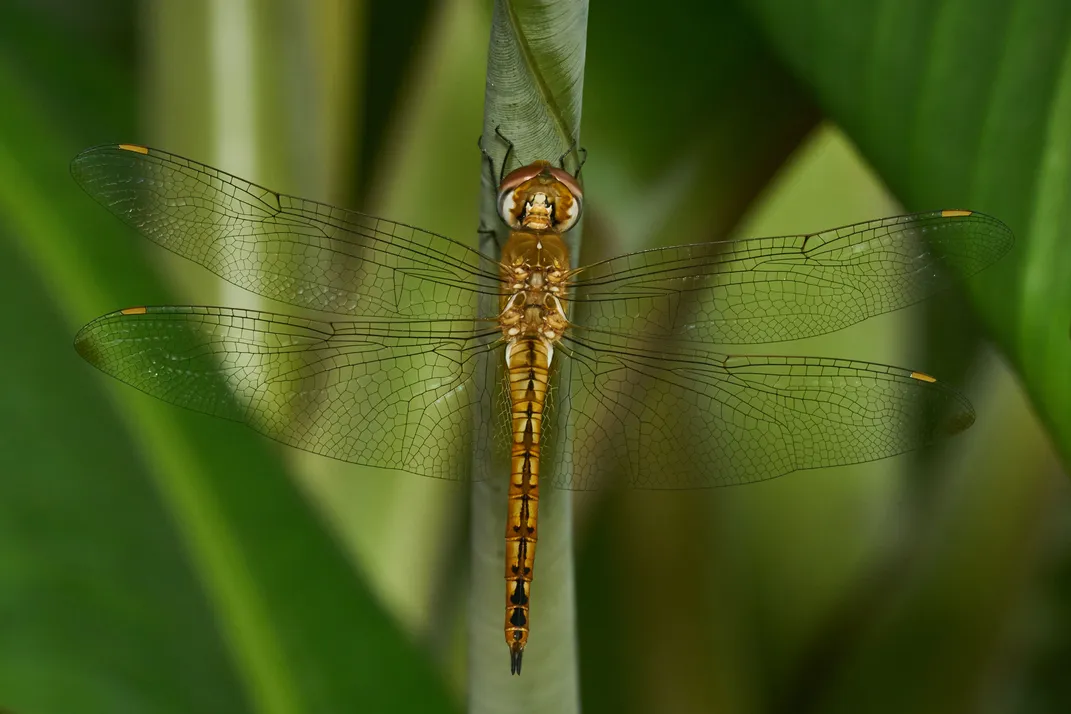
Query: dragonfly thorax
column 535, row 271
column 533, row 314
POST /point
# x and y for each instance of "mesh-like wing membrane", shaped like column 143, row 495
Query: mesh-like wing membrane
column 759, row 290
column 389, row 394
column 694, row 418
column 412, row 377
column 290, row 249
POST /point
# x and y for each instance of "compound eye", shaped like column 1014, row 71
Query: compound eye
column 572, row 214
column 507, row 201
column 569, row 181
column 566, row 212
column 572, row 200
column 508, row 209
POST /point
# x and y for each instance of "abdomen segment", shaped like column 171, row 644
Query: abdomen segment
column 528, row 363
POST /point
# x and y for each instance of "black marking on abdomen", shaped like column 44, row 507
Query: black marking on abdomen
column 518, row 597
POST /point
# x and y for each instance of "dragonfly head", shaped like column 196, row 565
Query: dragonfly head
column 540, row 197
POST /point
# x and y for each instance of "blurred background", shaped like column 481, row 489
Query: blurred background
column 153, row 560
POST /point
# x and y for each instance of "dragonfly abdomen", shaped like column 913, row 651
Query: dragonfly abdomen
column 528, row 364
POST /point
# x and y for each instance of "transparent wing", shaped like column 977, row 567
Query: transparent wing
column 772, row 289
column 399, row 395
column 694, row 418
column 301, row 252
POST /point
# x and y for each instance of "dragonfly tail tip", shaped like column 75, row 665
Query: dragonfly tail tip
column 515, row 654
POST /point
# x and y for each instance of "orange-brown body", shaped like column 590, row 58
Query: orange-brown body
column 532, row 320
column 535, row 265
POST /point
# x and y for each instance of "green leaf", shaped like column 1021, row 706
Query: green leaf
column 153, row 560
column 961, row 105
column 968, row 106
column 683, row 133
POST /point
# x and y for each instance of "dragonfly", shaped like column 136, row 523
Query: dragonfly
column 427, row 356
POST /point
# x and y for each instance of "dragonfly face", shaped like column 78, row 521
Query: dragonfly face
column 392, row 375
column 540, row 197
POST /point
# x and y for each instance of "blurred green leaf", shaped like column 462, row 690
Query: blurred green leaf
column 965, row 105
column 100, row 609
column 392, row 27
column 968, row 106
column 932, row 643
column 153, row 560
column 672, row 162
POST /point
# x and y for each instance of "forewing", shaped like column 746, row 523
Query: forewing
column 772, row 289
column 291, row 249
column 693, row 418
column 390, row 394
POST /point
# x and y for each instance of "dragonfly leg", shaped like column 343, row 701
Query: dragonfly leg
column 490, row 160
column 505, row 159
column 583, row 153
column 581, row 157
column 487, row 157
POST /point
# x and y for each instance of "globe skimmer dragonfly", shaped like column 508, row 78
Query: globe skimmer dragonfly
column 404, row 371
